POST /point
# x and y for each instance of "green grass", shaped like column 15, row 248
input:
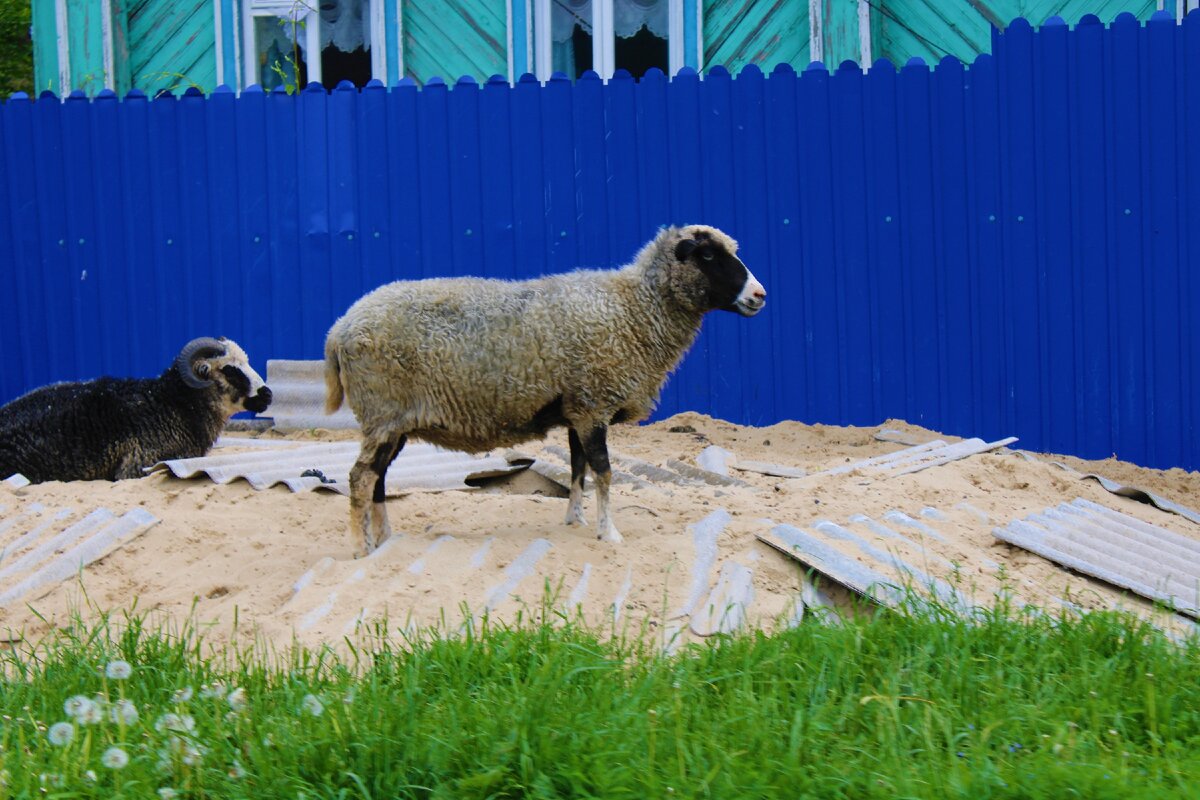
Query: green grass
column 891, row 707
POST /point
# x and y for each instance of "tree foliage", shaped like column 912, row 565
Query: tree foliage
column 16, row 47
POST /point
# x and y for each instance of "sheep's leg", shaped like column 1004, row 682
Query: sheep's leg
column 368, row 515
column 384, row 456
column 578, row 468
column 595, row 448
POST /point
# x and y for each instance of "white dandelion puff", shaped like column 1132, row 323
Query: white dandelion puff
column 115, row 758
column 192, row 753
column 91, row 714
column 167, row 793
column 214, row 692
column 175, row 723
column 90, row 775
column 237, row 771
column 61, row 734
column 348, row 697
column 50, row 779
column 312, row 705
column 182, row 695
column 237, row 699
column 118, row 670
column 75, row 705
column 123, row 711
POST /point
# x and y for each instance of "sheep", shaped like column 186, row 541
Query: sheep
column 112, row 428
column 474, row 364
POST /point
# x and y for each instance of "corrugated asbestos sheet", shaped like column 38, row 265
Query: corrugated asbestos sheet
column 327, row 465
column 886, row 567
column 919, row 457
column 1114, row 547
column 298, row 397
column 40, row 546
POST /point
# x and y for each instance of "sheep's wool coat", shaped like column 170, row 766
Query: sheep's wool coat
column 473, row 364
column 111, row 428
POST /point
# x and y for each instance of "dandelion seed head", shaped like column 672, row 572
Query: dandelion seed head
column 118, row 670
column 61, row 734
column 175, row 722
column 167, row 793
column 182, row 695
column 50, row 779
column 115, row 758
column 192, row 753
column 214, row 692
column 237, row 699
column 74, row 705
column 311, row 704
column 90, row 775
column 123, row 712
column 91, row 714
column 237, row 771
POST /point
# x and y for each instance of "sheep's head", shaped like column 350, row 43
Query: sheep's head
column 221, row 363
column 724, row 281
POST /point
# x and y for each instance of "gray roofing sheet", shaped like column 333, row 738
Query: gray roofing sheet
column 298, row 397
column 40, row 547
column 1122, row 550
column 418, row 467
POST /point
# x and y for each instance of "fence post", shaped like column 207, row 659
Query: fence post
column 106, row 195
column 224, row 167
column 1189, row 204
column 623, row 209
column 558, row 151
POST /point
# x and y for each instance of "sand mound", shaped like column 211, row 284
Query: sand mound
column 281, row 561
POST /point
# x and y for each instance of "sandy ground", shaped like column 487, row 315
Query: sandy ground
column 281, row 562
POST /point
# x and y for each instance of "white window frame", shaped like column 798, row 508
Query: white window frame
column 253, row 9
column 604, row 40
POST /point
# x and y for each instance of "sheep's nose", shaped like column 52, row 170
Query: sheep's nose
column 760, row 294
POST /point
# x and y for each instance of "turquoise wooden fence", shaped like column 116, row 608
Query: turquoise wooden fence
column 1007, row 248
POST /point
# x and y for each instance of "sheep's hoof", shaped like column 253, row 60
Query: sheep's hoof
column 575, row 516
column 613, row 535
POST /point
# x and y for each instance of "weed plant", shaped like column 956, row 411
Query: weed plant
column 895, row 706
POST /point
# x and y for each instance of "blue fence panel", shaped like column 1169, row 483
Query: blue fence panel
column 752, row 225
column 1006, row 247
column 782, row 152
column 1189, row 204
column 254, row 226
column 889, row 369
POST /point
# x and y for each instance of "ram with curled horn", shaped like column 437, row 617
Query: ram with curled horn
column 113, row 428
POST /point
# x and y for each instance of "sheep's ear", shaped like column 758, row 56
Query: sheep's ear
column 685, row 249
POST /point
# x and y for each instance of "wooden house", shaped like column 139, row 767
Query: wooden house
column 157, row 45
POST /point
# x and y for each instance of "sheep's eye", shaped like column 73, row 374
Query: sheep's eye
column 707, row 255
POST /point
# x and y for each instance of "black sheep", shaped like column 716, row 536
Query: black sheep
column 113, row 428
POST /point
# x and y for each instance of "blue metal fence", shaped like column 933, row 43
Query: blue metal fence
column 1009, row 248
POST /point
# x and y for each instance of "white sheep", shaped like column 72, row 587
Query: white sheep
column 473, row 364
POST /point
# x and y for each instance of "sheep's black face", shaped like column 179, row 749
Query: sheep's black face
column 730, row 285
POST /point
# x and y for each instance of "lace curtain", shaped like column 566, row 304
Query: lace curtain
column 629, row 17
column 345, row 24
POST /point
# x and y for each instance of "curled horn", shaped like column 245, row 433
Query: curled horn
column 204, row 347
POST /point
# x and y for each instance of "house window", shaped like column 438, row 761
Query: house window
column 573, row 36
column 294, row 42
